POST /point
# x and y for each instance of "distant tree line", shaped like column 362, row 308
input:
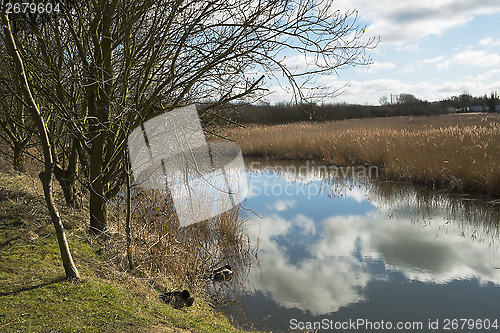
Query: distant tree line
column 403, row 105
column 464, row 100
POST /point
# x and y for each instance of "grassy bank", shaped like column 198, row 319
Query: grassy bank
column 34, row 297
column 457, row 151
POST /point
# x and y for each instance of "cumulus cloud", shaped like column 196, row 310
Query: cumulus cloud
column 400, row 22
column 483, row 77
column 489, row 42
column 479, row 58
column 433, row 60
column 304, row 285
column 335, row 253
column 370, row 91
column 282, row 205
column 301, row 63
column 405, row 27
column 334, row 274
column 407, row 69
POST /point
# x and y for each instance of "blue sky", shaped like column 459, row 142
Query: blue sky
column 432, row 49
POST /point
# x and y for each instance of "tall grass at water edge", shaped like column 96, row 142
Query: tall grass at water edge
column 457, row 151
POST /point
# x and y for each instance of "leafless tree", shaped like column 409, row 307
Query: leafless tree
column 16, row 126
column 128, row 61
column 46, row 175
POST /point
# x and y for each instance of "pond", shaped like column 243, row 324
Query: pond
column 341, row 249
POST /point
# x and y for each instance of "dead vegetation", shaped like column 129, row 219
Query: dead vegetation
column 456, row 151
column 171, row 256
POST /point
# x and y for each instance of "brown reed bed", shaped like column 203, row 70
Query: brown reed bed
column 459, row 151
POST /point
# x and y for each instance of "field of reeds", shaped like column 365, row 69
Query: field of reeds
column 460, row 151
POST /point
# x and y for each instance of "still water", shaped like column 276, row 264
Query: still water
column 337, row 246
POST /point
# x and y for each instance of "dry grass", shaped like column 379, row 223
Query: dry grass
column 457, row 151
column 169, row 256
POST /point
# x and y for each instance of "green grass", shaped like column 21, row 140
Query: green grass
column 35, row 297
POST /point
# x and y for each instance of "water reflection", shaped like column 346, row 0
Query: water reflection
column 351, row 244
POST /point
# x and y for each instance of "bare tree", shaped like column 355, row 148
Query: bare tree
column 133, row 60
column 17, row 129
column 46, row 175
column 55, row 92
column 16, row 126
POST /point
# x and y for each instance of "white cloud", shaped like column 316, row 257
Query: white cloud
column 400, row 22
column 370, row 91
column 283, row 93
column 472, row 58
column 300, row 62
column 489, row 42
column 297, row 62
column 444, row 65
column 282, row 205
column 305, row 223
column 303, row 286
column 483, row 77
column 478, row 58
column 337, row 251
column 331, row 276
column 406, row 26
column 408, row 47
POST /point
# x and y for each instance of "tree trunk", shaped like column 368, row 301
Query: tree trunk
column 68, row 178
column 18, row 161
column 46, row 175
column 101, row 93
column 98, row 222
column 69, row 265
column 128, row 231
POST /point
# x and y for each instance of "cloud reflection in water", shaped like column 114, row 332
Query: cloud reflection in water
column 321, row 264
